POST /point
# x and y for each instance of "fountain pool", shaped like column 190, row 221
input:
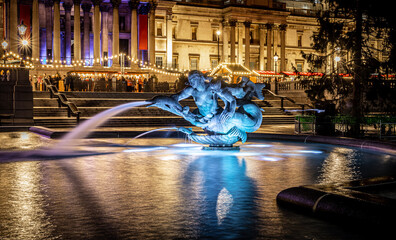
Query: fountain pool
column 168, row 189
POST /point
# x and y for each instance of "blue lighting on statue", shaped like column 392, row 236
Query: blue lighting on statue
column 223, row 126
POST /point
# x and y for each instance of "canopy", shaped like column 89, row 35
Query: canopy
column 232, row 70
column 268, row 73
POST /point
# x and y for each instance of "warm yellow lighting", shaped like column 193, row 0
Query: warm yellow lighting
column 276, row 57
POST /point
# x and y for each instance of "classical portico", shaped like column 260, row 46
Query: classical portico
column 155, row 33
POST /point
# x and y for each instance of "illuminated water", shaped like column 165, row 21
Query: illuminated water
column 166, row 189
column 83, row 129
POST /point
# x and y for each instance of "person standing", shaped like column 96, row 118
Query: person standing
column 140, row 84
column 34, row 83
column 39, row 82
column 133, row 84
column 129, row 85
column 114, row 83
column 145, row 85
column 67, row 82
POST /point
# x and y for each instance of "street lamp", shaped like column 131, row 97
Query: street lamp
column 276, row 57
column 22, row 29
column 218, row 32
column 337, row 59
column 4, row 45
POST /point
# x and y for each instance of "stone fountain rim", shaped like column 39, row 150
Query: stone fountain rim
column 385, row 147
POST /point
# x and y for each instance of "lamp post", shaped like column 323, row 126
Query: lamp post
column 218, row 32
column 276, row 57
column 4, row 45
column 24, row 42
column 22, row 29
column 337, row 59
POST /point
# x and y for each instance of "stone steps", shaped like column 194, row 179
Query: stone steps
column 59, row 122
column 64, row 122
column 136, row 111
column 48, row 114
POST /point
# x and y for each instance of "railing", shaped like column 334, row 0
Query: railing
column 282, row 98
column 63, row 101
column 292, row 86
column 387, row 130
column 305, row 125
column 298, row 85
column 370, row 126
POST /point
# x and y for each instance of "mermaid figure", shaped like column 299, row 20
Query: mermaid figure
column 225, row 125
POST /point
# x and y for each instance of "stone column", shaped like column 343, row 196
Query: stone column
column 86, row 9
column 77, row 31
column 116, row 33
column 225, row 42
column 247, row 43
column 269, row 46
column 105, row 33
column 133, row 4
column 261, row 51
column 232, row 40
column 240, row 43
column 49, row 28
column 169, row 40
column 275, row 43
column 282, row 28
column 151, row 35
column 13, row 37
column 67, row 6
column 57, row 36
column 35, row 32
column 96, row 32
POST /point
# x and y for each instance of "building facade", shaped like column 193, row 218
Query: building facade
column 170, row 35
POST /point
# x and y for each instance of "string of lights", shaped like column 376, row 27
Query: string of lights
column 43, row 63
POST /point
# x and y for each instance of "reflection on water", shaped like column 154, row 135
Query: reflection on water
column 224, row 204
column 21, row 141
column 167, row 189
column 339, row 166
column 22, row 203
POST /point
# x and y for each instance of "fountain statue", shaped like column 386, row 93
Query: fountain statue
column 223, row 126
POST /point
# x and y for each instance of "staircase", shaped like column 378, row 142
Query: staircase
column 48, row 114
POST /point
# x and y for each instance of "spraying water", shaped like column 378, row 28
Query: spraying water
column 154, row 130
column 86, row 127
column 305, row 110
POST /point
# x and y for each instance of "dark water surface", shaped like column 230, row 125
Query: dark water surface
column 165, row 189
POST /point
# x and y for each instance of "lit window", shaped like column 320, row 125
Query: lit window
column 300, row 66
column 194, row 33
column 174, row 32
column 158, row 61
column 174, row 62
column 159, row 29
column 194, row 63
column 214, row 35
column 214, row 62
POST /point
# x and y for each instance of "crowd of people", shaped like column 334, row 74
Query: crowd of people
column 105, row 83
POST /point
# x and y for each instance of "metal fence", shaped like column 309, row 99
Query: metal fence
column 387, row 130
column 371, row 127
column 305, row 125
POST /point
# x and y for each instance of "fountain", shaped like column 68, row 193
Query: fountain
column 223, row 126
column 164, row 188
